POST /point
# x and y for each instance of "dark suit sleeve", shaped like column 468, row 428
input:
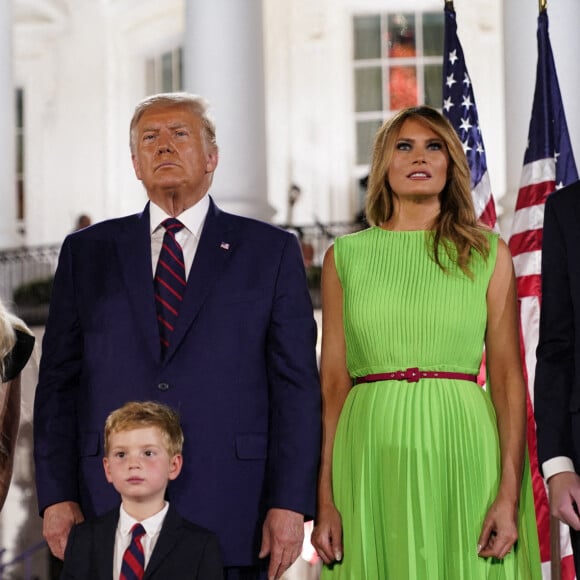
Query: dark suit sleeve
column 295, row 423
column 211, row 566
column 55, row 434
column 76, row 556
column 555, row 352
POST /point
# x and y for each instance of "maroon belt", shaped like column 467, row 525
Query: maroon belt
column 413, row 375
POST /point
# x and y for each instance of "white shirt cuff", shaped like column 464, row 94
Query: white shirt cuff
column 557, row 465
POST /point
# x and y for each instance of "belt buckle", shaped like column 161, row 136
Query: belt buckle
column 412, row 375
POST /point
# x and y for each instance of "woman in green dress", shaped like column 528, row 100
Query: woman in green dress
column 423, row 473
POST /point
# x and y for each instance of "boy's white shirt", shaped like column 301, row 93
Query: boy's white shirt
column 152, row 527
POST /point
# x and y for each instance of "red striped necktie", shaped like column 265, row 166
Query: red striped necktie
column 169, row 282
column 133, row 566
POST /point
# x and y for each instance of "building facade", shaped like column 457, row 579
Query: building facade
column 298, row 88
column 298, row 107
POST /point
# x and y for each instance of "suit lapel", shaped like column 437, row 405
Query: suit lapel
column 168, row 539
column 134, row 253
column 217, row 244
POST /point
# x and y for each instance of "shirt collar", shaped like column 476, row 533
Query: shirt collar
column 192, row 218
column 152, row 524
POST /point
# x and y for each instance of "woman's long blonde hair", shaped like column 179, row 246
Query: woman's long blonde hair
column 9, row 323
column 456, row 228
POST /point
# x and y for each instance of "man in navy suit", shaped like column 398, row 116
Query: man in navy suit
column 557, row 384
column 240, row 367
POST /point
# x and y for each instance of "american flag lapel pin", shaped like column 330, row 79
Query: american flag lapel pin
column 225, row 246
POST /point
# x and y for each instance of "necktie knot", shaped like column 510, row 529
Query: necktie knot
column 172, row 225
column 137, row 531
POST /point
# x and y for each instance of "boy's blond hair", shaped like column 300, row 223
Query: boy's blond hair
column 139, row 414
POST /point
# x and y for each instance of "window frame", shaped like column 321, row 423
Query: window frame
column 154, row 71
column 384, row 62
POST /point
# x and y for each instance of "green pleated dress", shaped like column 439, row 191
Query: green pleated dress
column 417, row 465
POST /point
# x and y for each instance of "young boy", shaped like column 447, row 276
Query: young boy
column 143, row 443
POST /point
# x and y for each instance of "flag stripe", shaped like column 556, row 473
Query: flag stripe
column 530, row 218
column 529, row 285
column 482, row 198
column 538, row 171
column 528, row 264
column 539, row 490
column 528, row 241
column 534, row 194
column 489, row 216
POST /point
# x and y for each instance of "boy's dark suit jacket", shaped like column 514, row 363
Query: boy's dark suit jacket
column 183, row 551
column 241, row 371
column 557, row 383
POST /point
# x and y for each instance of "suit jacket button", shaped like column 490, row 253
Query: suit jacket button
column 163, row 386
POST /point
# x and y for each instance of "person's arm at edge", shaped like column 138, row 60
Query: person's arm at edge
column 555, row 372
column 9, row 420
column 336, row 384
column 10, row 402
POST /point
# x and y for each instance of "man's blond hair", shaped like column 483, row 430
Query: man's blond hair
column 196, row 104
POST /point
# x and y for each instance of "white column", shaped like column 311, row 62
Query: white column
column 8, row 225
column 521, row 55
column 224, row 62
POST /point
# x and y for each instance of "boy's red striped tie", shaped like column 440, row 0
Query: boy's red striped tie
column 133, row 566
column 169, row 282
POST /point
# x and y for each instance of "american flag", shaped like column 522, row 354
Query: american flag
column 459, row 107
column 548, row 165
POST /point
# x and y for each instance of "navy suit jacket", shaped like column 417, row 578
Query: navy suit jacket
column 183, row 551
column 241, row 371
column 557, row 382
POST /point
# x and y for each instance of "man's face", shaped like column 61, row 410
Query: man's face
column 171, row 157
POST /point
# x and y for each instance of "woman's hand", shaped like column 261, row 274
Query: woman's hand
column 327, row 534
column 500, row 530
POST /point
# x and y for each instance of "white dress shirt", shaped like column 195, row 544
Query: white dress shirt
column 557, row 465
column 188, row 237
column 152, row 527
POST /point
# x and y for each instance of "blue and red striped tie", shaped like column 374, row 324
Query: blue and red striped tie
column 133, row 566
column 169, row 282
